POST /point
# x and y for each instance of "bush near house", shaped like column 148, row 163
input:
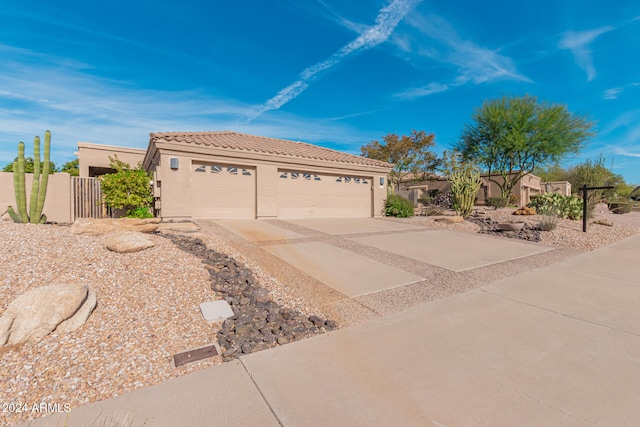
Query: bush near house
column 398, row 206
column 620, row 207
column 128, row 189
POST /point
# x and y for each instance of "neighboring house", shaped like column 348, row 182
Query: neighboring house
column 527, row 186
column 562, row 187
column 95, row 159
column 230, row 175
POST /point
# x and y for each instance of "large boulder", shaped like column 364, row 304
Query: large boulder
column 94, row 226
column 128, row 241
column 40, row 311
column 525, row 210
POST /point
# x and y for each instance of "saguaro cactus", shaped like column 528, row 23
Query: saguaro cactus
column 39, row 186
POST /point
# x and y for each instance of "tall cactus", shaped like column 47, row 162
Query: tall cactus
column 39, row 187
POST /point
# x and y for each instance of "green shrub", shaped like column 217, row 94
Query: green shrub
column 139, row 213
column 563, row 206
column 398, row 206
column 620, row 207
column 425, row 199
column 514, row 200
column 497, row 202
column 127, row 188
column 548, row 223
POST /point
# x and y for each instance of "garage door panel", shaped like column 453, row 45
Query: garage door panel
column 223, row 191
column 319, row 195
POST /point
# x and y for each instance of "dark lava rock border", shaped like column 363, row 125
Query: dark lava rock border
column 258, row 322
column 489, row 226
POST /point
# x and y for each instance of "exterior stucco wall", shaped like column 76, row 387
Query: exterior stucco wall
column 266, row 191
column 562, row 187
column 57, row 204
column 175, row 187
column 97, row 156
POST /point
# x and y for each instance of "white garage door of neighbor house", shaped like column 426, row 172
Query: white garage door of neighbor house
column 304, row 194
column 223, row 191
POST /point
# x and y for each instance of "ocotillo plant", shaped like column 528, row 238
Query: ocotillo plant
column 39, row 186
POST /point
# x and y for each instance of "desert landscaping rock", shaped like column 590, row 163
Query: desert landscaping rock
column 95, row 227
column 80, row 317
column 38, row 312
column 489, row 226
column 128, row 242
column 524, row 210
column 258, row 323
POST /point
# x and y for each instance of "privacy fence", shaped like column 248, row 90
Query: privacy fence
column 68, row 197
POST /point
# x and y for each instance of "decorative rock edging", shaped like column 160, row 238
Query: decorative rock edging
column 489, row 226
column 258, row 323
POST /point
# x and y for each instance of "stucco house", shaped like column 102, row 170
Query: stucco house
column 527, row 186
column 230, row 175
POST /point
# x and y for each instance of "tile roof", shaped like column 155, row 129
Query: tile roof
column 262, row 144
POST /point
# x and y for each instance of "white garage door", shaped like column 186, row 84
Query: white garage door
column 223, row 191
column 304, row 194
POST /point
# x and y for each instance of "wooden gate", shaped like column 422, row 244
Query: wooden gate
column 86, row 198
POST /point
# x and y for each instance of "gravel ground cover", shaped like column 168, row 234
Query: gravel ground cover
column 148, row 305
column 148, row 310
column 568, row 233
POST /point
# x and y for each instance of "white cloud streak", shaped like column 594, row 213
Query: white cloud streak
column 475, row 63
column 386, row 21
column 578, row 43
column 614, row 92
column 419, row 92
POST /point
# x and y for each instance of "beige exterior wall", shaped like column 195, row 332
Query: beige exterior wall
column 95, row 157
column 57, row 205
column 174, row 188
column 561, row 187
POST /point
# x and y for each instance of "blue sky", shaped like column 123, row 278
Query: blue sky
column 334, row 73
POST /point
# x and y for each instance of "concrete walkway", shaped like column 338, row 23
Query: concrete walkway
column 558, row 345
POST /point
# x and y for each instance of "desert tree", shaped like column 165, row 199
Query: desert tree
column 410, row 155
column 511, row 136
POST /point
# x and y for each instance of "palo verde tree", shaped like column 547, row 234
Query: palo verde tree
column 510, row 136
column 410, row 155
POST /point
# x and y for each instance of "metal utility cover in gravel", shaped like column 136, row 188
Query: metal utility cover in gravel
column 216, row 311
column 337, row 226
column 451, row 250
column 351, row 274
column 258, row 231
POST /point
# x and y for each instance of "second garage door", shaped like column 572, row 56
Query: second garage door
column 223, row 191
column 305, row 194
